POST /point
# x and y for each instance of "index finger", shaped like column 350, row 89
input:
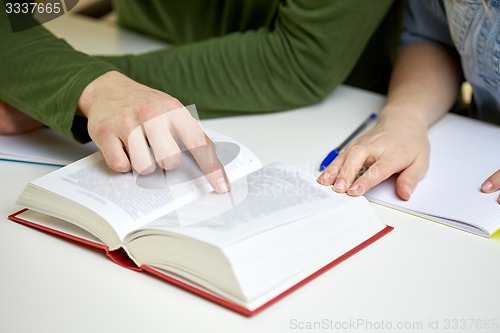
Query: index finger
column 212, row 168
column 329, row 175
column 190, row 133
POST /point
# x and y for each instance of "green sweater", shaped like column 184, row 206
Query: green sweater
column 228, row 57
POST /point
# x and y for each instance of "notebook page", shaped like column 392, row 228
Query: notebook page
column 464, row 152
column 44, row 146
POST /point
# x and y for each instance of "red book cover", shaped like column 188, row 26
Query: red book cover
column 121, row 258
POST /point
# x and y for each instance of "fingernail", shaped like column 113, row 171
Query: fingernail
column 324, row 176
column 340, row 185
column 353, row 190
column 487, row 186
column 222, row 185
column 407, row 190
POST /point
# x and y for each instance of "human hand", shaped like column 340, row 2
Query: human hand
column 136, row 127
column 13, row 121
column 492, row 184
column 395, row 145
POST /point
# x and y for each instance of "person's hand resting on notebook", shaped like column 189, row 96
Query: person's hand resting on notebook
column 424, row 85
column 126, row 118
column 13, row 121
column 492, row 184
column 394, row 145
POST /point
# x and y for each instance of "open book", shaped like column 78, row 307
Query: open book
column 464, row 153
column 276, row 229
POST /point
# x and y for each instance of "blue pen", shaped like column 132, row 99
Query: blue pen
column 334, row 153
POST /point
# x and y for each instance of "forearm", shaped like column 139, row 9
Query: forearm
column 311, row 49
column 43, row 77
column 424, row 85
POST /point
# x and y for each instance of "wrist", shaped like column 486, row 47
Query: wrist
column 93, row 90
column 403, row 116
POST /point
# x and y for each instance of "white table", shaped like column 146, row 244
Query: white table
column 421, row 276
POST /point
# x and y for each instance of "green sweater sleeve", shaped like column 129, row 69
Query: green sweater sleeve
column 310, row 48
column 44, row 77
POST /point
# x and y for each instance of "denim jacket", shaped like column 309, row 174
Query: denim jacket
column 471, row 34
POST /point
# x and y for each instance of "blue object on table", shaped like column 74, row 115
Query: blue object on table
column 334, row 153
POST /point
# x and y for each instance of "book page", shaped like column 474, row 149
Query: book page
column 464, row 153
column 58, row 225
column 274, row 195
column 127, row 201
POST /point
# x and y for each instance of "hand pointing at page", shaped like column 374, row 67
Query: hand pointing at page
column 138, row 127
